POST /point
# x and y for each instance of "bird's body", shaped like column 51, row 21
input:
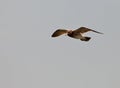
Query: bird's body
column 77, row 34
column 74, row 35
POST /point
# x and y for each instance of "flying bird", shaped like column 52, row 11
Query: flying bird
column 77, row 34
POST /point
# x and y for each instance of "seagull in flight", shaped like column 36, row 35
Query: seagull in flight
column 77, row 34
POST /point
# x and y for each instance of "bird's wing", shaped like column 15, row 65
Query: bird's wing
column 59, row 32
column 84, row 30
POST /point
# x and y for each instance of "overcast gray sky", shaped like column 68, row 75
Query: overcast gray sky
column 30, row 58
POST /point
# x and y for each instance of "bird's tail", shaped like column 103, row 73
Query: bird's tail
column 86, row 39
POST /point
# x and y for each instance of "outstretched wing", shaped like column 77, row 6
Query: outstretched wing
column 84, row 30
column 59, row 32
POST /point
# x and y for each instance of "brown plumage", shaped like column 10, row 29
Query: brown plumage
column 77, row 34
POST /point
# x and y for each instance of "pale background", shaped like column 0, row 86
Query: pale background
column 30, row 58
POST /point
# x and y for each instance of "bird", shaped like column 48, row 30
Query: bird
column 76, row 34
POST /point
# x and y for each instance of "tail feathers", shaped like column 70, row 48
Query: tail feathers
column 86, row 39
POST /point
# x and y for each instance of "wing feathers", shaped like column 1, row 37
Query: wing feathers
column 59, row 32
column 97, row 32
column 84, row 30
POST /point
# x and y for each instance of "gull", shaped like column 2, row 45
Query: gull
column 77, row 34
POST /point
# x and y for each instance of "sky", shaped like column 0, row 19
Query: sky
column 30, row 58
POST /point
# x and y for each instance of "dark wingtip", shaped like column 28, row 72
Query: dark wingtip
column 52, row 36
column 101, row 33
column 97, row 32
